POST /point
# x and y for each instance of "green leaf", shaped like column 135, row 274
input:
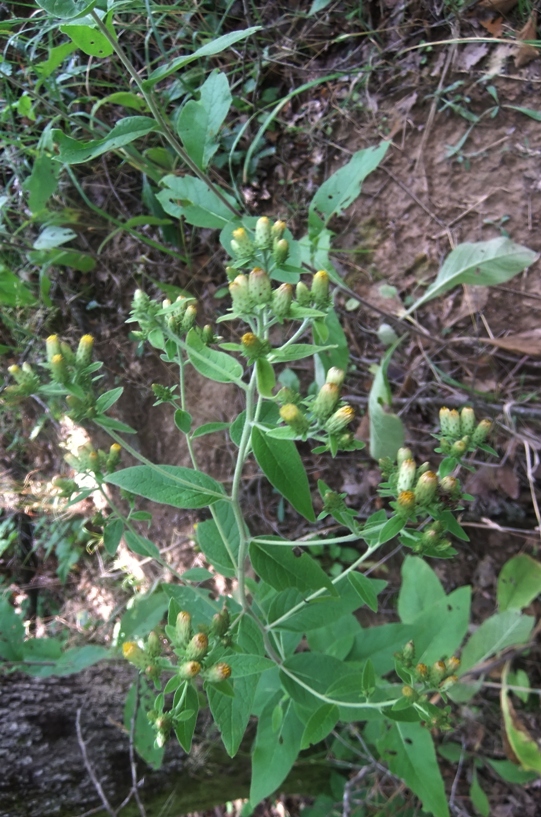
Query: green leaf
column 183, row 420
column 145, row 613
column 231, row 715
column 282, row 465
column 275, row 751
column 77, row 659
column 12, row 290
column 243, row 665
column 278, row 566
column 197, row 574
column 141, row 545
column 209, row 428
column 531, row 112
column 112, row 534
column 42, row 182
column 210, row 536
column 115, row 425
column 212, row 363
column 495, row 634
column 192, row 199
column 67, row 9
column 483, row 263
column 408, row 750
column 420, row 589
column 214, row 46
column 519, row 583
column 89, row 39
column 297, row 351
column 266, row 379
column 199, row 123
column 126, row 130
column 478, row 797
column 52, row 237
column 364, row 587
column 169, row 484
column 386, row 429
column 510, row 772
column 63, row 258
column 185, row 728
column 320, row 724
column 142, row 696
column 337, row 637
column 108, row 399
column 195, row 600
column 522, row 743
column 344, row 186
column 330, row 331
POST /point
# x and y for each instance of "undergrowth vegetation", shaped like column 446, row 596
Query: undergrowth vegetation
column 166, row 97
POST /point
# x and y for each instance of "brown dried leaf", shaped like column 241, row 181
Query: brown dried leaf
column 474, row 299
column 500, row 6
column 525, row 343
column 494, row 26
column 526, row 52
column 471, row 55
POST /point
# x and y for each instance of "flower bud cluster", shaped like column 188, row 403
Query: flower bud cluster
column 440, row 675
column 418, row 489
column 321, row 413
column 268, row 240
column 26, row 383
column 193, row 649
column 460, row 432
column 97, row 462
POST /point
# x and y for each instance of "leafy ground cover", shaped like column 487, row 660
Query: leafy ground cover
column 303, row 100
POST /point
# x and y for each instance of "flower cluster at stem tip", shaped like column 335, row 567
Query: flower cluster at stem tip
column 197, row 653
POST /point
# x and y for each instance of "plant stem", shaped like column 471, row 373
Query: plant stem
column 367, row 705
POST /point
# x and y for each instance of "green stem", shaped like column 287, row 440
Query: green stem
column 325, row 698
column 322, row 590
column 158, row 115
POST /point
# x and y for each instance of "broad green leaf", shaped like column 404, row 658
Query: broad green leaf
column 318, row 5
column 57, row 55
column 12, row 290
column 337, row 637
column 364, row 587
column 145, row 613
column 275, row 751
column 197, row 574
column 115, row 425
column 42, row 182
column 320, row 724
column 209, row 428
column 127, row 130
column 495, row 634
column 330, row 331
column 478, row 797
column 231, row 715
column 266, row 379
column 408, row 750
column 142, row 696
column 282, row 465
column 195, row 600
column 11, row 631
column 89, row 39
column 169, row 485
column 199, row 123
column 519, row 583
column 268, row 416
column 297, row 351
column 127, row 99
column 279, row 567
column 112, row 534
column 183, row 420
column 52, row 237
column 67, row 9
column 77, row 659
column 210, row 536
column 141, row 545
column 510, row 772
column 243, row 665
column 214, row 46
column 522, row 743
column 344, row 186
column 59, row 257
column 484, row 263
column 108, row 399
column 386, row 429
column 192, row 199
column 420, row 589
column 185, row 728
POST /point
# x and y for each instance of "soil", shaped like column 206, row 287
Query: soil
column 446, row 179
